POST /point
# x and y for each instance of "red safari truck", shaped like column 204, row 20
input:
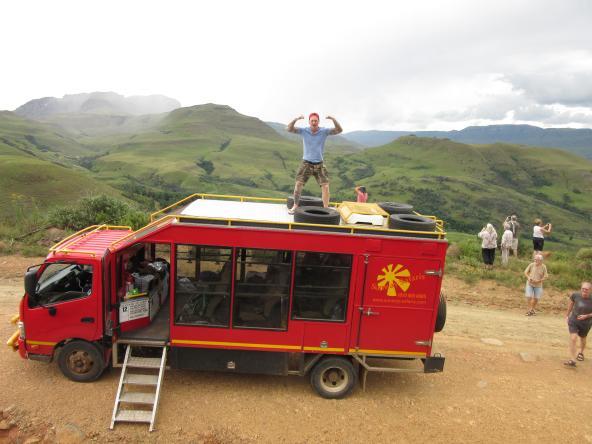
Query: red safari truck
column 235, row 284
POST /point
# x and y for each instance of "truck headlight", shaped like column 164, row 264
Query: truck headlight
column 21, row 327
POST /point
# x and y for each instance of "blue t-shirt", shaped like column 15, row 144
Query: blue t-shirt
column 314, row 144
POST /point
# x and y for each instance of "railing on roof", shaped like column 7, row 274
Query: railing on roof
column 218, row 196
column 152, row 226
column 62, row 246
column 439, row 232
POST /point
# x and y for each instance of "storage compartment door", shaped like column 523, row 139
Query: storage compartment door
column 397, row 311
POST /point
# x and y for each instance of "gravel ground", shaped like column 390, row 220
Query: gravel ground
column 487, row 393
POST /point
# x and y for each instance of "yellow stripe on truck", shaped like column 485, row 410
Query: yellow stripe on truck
column 387, row 352
column 40, row 343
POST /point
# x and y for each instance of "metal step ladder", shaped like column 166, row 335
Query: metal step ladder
column 150, row 382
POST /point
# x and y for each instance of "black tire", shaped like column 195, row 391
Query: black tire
column 441, row 317
column 81, row 361
column 396, row 207
column 316, row 215
column 333, row 377
column 411, row 222
column 305, row 201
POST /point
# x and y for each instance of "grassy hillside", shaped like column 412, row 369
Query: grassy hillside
column 39, row 139
column 471, row 185
column 207, row 148
column 577, row 141
column 38, row 168
column 212, row 148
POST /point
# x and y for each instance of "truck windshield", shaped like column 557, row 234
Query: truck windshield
column 63, row 282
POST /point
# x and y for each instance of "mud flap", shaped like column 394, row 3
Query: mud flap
column 433, row 364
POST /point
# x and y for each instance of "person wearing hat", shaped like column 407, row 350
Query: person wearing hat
column 313, row 142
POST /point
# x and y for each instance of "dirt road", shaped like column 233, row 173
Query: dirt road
column 487, row 393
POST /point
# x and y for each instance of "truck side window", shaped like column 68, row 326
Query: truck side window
column 202, row 290
column 262, row 288
column 321, row 286
column 61, row 282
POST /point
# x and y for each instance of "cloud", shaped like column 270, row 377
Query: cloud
column 556, row 85
column 435, row 64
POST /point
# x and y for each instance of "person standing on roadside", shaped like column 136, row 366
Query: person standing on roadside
column 536, row 273
column 313, row 141
column 579, row 322
column 507, row 242
column 361, row 194
column 538, row 235
column 488, row 237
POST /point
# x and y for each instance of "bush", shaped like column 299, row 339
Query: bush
column 95, row 211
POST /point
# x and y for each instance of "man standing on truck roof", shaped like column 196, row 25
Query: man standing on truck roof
column 313, row 141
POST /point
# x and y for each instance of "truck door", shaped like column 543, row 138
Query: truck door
column 397, row 311
column 66, row 306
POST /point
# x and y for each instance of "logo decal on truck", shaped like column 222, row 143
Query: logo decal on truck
column 393, row 278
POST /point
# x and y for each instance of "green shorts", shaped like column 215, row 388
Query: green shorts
column 317, row 170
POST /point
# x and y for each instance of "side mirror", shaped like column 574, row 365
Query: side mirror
column 31, row 283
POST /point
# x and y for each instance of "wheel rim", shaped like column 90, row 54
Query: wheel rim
column 334, row 379
column 80, row 362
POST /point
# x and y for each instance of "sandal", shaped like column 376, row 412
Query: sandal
column 570, row 363
column 580, row 357
column 291, row 210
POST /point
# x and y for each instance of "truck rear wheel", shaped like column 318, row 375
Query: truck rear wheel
column 333, row 377
column 441, row 317
column 81, row 361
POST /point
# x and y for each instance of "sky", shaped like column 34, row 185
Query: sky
column 387, row 65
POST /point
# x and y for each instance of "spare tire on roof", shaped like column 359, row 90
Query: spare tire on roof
column 305, row 201
column 317, row 215
column 396, row 207
column 411, row 222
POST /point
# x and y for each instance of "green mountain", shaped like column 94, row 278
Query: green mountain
column 578, row 141
column 470, row 185
column 38, row 167
column 214, row 149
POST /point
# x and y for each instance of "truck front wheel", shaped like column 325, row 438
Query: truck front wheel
column 333, row 377
column 81, row 361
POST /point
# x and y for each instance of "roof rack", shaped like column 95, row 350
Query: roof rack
column 171, row 214
column 68, row 245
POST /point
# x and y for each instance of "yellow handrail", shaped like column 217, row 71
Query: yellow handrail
column 438, row 231
column 223, row 196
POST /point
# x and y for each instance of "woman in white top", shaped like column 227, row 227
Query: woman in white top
column 538, row 235
column 507, row 239
column 488, row 237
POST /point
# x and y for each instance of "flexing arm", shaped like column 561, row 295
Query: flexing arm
column 291, row 128
column 337, row 128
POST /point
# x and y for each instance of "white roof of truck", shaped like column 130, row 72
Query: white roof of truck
column 254, row 211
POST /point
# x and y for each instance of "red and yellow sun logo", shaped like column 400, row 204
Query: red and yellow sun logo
column 393, row 278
